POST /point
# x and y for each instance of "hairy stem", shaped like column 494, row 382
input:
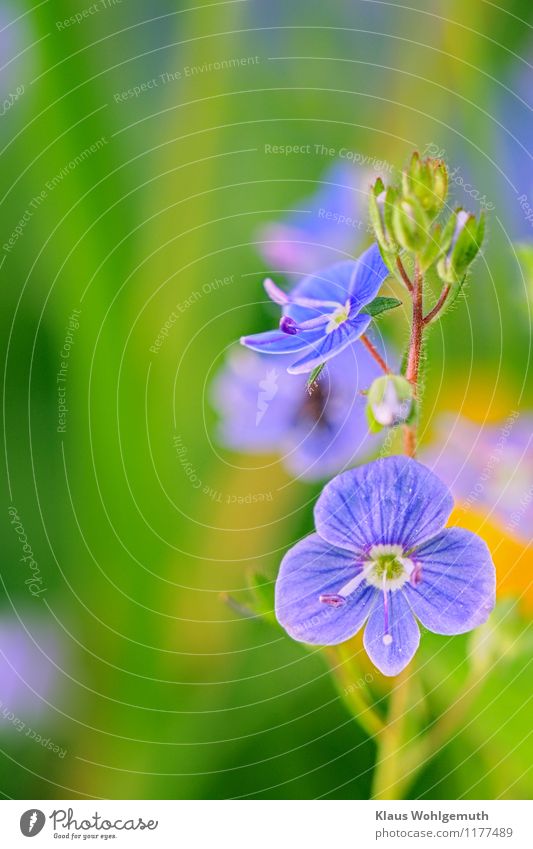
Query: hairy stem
column 438, row 306
column 375, row 353
column 403, row 274
column 415, row 350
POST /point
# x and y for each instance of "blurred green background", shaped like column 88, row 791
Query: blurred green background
column 150, row 684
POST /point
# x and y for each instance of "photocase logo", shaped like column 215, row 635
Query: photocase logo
column 32, row 822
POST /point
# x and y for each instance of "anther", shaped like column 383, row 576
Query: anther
column 288, row 325
column 333, row 599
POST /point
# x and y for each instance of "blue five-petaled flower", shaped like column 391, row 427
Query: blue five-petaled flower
column 382, row 555
column 318, row 432
column 323, row 314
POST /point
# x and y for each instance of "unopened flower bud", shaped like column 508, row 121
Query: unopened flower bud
column 390, row 401
column 427, row 181
column 462, row 240
column 410, row 224
column 380, row 208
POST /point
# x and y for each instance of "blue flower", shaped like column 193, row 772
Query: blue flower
column 382, row 555
column 328, row 223
column 488, row 468
column 29, row 664
column 323, row 313
column 317, row 432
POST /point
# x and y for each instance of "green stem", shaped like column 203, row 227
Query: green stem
column 392, row 781
column 346, row 676
column 389, row 775
column 443, row 728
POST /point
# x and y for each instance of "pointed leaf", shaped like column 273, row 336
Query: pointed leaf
column 314, row 376
column 379, row 305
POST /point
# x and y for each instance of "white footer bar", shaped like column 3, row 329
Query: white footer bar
column 267, row 824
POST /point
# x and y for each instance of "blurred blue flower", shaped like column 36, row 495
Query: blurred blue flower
column 512, row 134
column 488, row 468
column 323, row 314
column 27, row 669
column 317, row 431
column 16, row 62
column 327, row 223
column 381, row 555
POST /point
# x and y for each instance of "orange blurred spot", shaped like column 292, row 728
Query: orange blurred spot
column 513, row 558
column 472, row 401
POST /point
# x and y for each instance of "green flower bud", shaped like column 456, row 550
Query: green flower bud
column 410, row 224
column 380, row 209
column 432, row 250
column 461, row 240
column 390, row 402
column 440, row 181
column 427, row 181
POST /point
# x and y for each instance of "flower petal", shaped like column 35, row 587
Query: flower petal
column 277, row 342
column 328, row 284
column 275, row 293
column 331, row 344
column 369, row 273
column 308, row 570
column 457, row 588
column 257, row 401
column 391, row 656
column 394, row 500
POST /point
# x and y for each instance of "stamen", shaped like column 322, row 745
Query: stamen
column 284, row 298
column 333, row 599
column 416, row 575
column 288, row 325
column 339, row 316
column 314, row 303
column 387, row 637
column 337, row 599
column 352, row 585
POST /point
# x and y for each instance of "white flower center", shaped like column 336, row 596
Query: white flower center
column 338, row 316
column 388, row 569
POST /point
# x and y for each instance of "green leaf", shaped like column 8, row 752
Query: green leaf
column 456, row 291
column 263, row 591
column 405, row 359
column 379, row 305
column 313, row 377
column 525, row 257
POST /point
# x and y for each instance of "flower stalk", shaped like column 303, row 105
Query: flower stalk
column 390, row 774
column 423, row 193
column 403, row 274
column 375, row 353
column 345, row 671
column 415, row 351
column 433, row 313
